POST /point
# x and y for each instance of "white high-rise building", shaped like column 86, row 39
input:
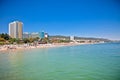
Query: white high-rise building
column 46, row 35
column 16, row 29
column 72, row 38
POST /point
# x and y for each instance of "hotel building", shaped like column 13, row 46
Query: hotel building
column 46, row 35
column 72, row 38
column 26, row 35
column 42, row 35
column 16, row 29
column 34, row 35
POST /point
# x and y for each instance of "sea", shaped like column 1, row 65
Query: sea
column 83, row 62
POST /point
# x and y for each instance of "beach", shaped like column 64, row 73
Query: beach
column 13, row 47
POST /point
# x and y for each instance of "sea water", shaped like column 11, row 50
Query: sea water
column 84, row 62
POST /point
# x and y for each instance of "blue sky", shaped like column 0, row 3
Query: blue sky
column 84, row 18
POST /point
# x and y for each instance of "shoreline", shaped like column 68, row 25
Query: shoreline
column 11, row 47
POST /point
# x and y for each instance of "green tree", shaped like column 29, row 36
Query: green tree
column 18, row 41
column 31, row 40
column 26, row 40
column 37, row 38
column 12, row 40
column 2, row 40
column 5, row 36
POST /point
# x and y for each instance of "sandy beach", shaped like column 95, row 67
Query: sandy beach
column 12, row 47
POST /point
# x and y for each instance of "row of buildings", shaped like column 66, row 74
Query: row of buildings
column 35, row 34
column 16, row 31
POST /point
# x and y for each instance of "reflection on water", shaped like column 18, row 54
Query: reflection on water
column 14, row 64
column 86, row 62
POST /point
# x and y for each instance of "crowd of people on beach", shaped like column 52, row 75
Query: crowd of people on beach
column 33, row 46
column 26, row 46
column 22, row 46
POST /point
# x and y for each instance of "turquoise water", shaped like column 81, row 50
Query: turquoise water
column 85, row 62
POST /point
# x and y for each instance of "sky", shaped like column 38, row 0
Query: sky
column 84, row 18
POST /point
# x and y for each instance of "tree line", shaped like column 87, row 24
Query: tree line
column 6, row 39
